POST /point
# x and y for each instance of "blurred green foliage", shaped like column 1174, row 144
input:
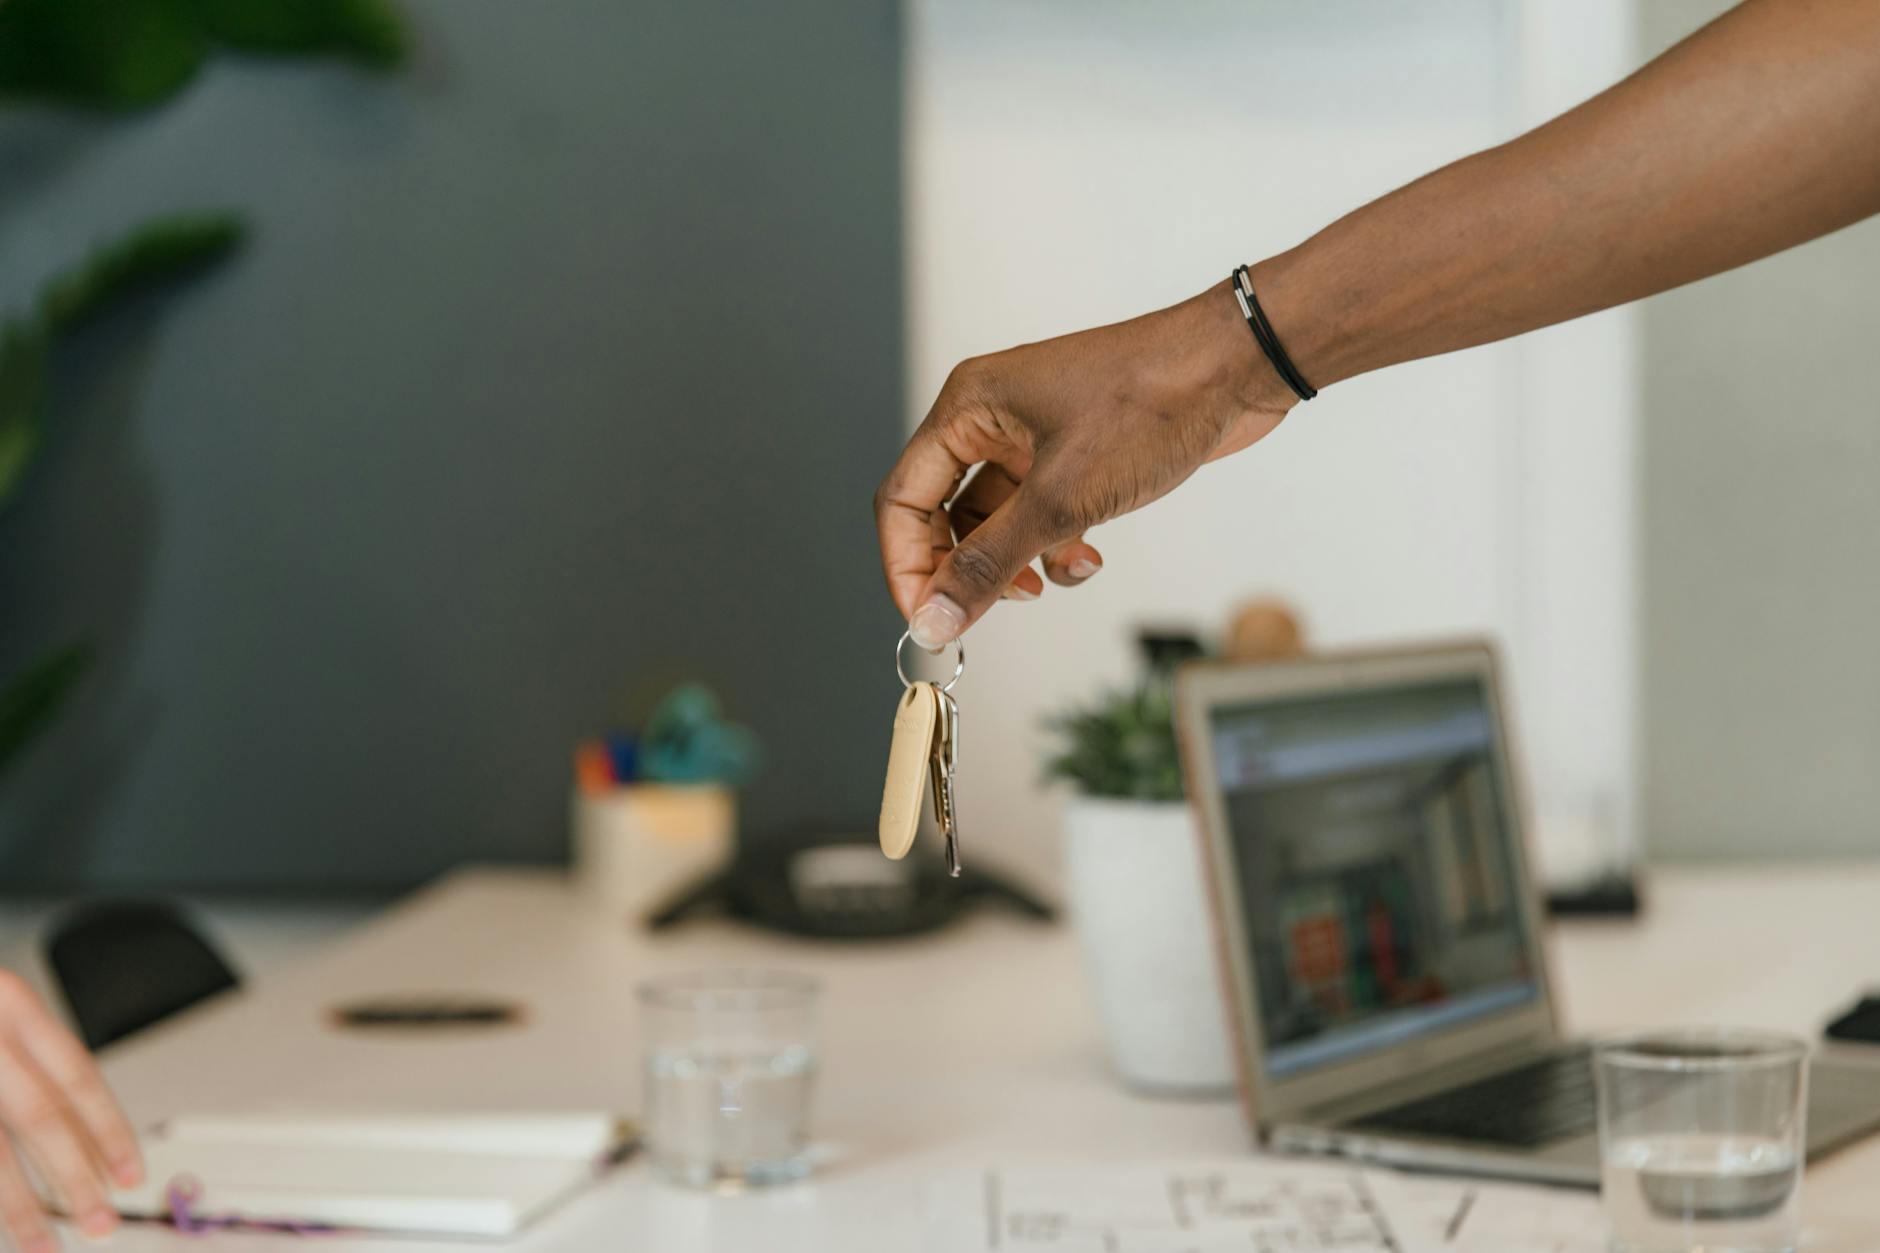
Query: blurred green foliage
column 28, row 703
column 132, row 54
column 159, row 252
column 125, row 55
column 1121, row 746
column 23, row 366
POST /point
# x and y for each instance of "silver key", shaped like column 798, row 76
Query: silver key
column 945, row 757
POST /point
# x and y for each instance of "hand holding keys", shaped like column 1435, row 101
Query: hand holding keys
column 925, row 748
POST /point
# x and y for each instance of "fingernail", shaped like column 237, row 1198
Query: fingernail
column 128, row 1174
column 98, row 1222
column 937, row 624
column 43, row 1243
column 1015, row 592
column 1083, row 568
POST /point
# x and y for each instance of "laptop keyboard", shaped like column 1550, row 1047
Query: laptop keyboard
column 1541, row 1102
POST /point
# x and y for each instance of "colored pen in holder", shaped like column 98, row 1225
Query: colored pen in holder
column 657, row 812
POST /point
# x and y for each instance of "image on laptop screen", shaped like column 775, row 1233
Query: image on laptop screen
column 1374, row 848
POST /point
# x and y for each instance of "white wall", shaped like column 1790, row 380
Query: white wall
column 1761, row 547
column 1074, row 164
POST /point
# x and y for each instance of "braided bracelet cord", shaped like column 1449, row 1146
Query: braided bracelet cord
column 1263, row 334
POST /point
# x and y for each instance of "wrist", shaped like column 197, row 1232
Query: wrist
column 1246, row 379
column 1302, row 322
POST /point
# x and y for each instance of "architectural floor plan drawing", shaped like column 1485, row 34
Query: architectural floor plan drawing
column 1249, row 1205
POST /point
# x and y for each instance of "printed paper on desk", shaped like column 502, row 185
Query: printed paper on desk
column 1439, row 1215
column 1248, row 1205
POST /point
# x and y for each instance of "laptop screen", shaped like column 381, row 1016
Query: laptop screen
column 1374, row 849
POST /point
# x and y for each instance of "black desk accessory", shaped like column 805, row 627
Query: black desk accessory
column 1859, row 1025
column 1610, row 896
column 126, row 965
column 841, row 888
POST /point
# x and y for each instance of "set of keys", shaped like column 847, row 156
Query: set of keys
column 921, row 759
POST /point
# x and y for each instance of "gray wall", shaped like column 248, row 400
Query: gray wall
column 561, row 366
column 1761, row 563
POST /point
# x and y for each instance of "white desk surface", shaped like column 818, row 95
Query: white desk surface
column 969, row 1047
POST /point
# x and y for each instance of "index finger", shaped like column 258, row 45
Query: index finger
column 905, row 504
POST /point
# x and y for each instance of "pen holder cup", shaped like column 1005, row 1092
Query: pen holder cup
column 636, row 846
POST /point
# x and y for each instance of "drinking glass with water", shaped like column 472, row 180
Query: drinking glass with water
column 730, row 1056
column 1701, row 1140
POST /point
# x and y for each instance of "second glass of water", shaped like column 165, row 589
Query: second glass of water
column 730, row 1056
column 1701, row 1140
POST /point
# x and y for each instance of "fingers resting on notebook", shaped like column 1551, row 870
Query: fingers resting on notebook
column 57, row 1115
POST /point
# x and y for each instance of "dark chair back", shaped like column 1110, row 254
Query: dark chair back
column 124, row 965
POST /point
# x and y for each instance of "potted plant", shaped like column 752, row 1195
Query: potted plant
column 1134, row 888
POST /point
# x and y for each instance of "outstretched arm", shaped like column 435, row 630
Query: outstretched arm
column 1758, row 132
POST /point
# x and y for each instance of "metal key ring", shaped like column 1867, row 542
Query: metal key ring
column 959, row 667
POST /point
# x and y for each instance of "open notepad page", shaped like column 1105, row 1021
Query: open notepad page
column 481, row 1176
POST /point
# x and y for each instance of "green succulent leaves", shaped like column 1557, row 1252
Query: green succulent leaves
column 1122, row 746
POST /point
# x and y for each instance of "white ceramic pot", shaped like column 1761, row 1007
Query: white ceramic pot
column 1134, row 888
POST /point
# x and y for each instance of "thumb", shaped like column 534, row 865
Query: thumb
column 981, row 565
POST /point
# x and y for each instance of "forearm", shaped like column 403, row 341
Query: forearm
column 1759, row 132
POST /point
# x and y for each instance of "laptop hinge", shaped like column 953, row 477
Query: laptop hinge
column 1395, row 1091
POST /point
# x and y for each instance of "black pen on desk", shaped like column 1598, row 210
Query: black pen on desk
column 1459, row 1217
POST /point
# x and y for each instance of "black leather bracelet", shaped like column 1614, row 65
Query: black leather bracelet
column 1242, row 281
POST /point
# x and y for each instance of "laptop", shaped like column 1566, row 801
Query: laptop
column 1381, row 934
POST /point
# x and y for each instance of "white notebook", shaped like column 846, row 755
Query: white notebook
column 483, row 1176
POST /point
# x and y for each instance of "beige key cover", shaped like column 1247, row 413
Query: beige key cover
column 908, row 759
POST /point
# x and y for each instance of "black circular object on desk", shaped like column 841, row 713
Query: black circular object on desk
column 840, row 887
